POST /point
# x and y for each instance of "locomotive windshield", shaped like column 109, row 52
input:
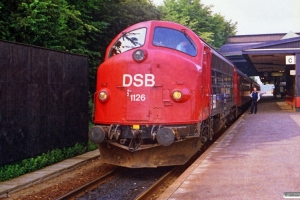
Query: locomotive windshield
column 174, row 39
column 129, row 40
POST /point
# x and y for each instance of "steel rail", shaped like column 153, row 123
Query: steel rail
column 155, row 189
column 88, row 186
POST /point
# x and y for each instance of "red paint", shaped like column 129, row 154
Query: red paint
column 172, row 70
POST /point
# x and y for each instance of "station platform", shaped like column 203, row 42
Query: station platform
column 258, row 157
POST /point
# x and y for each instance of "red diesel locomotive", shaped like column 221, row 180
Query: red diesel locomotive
column 160, row 93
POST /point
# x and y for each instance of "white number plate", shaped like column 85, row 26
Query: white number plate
column 137, row 97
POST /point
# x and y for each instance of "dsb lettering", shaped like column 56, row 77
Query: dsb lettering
column 138, row 80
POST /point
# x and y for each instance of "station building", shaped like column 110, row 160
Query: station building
column 275, row 58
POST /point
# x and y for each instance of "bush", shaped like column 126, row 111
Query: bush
column 92, row 146
column 32, row 164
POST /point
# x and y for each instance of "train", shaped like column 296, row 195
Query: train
column 161, row 93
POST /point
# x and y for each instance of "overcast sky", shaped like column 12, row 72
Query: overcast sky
column 258, row 16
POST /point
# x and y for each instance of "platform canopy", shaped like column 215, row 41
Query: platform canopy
column 257, row 54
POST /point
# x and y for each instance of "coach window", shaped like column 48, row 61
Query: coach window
column 128, row 41
column 174, row 39
column 222, row 89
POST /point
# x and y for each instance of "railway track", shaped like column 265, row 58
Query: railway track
column 165, row 181
column 88, row 186
column 118, row 183
column 152, row 191
column 158, row 187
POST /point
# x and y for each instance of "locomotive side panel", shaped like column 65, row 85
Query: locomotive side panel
column 204, row 101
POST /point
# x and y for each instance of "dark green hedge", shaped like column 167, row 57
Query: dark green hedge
column 32, row 164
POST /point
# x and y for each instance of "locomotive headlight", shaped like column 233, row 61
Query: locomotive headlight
column 177, row 95
column 103, row 95
column 139, row 55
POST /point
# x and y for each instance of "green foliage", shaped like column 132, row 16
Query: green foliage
column 32, row 164
column 194, row 15
column 92, row 146
column 222, row 29
column 52, row 24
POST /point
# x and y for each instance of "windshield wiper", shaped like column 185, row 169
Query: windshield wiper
column 132, row 40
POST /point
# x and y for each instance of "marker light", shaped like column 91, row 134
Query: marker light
column 103, row 95
column 180, row 95
column 176, row 95
column 139, row 55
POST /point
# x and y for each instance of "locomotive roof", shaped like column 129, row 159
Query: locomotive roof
column 214, row 51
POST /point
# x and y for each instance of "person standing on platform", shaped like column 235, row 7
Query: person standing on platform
column 255, row 98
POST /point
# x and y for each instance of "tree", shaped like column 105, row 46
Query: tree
column 49, row 23
column 222, row 29
column 89, row 10
column 194, row 15
column 119, row 14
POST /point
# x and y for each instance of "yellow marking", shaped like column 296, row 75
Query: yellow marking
column 136, row 127
column 284, row 106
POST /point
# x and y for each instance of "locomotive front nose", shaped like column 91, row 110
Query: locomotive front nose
column 96, row 134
